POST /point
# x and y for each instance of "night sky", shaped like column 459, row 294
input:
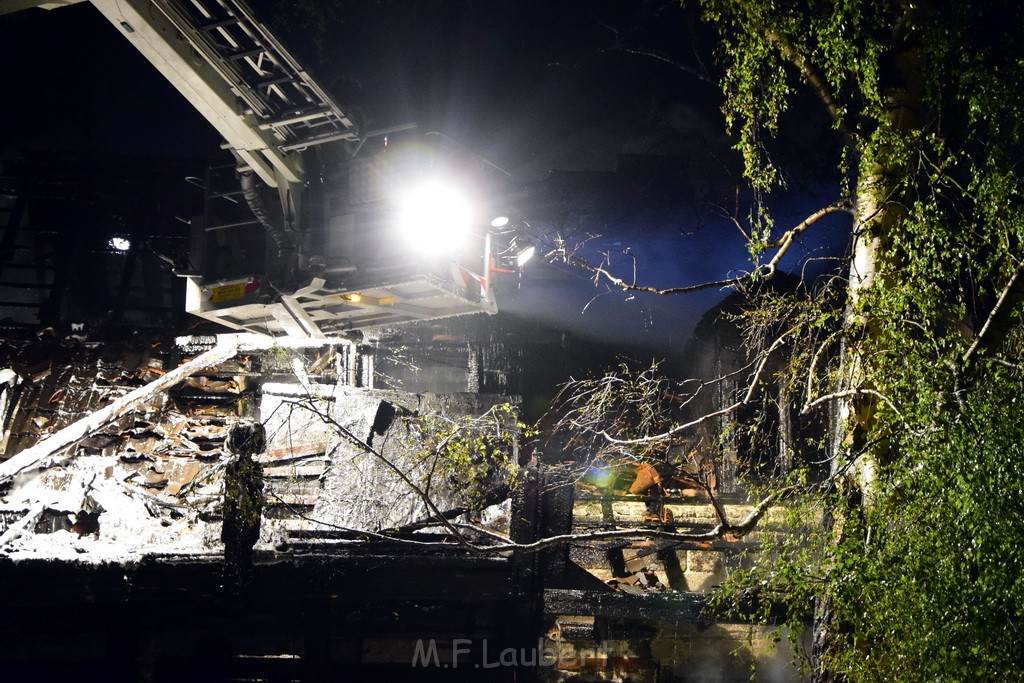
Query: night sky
column 535, row 87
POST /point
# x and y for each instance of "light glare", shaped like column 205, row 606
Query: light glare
column 525, row 255
column 435, row 218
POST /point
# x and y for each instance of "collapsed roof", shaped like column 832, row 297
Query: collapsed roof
column 115, row 452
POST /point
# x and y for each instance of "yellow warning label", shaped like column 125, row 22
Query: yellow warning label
column 227, row 292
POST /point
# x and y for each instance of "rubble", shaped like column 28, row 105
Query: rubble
column 116, row 452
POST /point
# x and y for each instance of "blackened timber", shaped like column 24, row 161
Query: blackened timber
column 672, row 608
column 556, row 519
column 157, row 636
column 387, row 577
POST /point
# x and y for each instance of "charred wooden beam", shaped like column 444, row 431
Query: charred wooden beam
column 671, row 608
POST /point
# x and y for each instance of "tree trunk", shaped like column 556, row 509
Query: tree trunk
column 877, row 209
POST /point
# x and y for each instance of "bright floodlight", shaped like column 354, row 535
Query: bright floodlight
column 435, row 218
column 120, row 243
column 499, row 222
column 525, row 255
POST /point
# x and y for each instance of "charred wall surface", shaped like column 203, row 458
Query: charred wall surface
column 93, row 239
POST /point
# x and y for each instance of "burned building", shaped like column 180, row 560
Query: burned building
column 114, row 541
column 375, row 557
column 112, row 536
column 111, row 546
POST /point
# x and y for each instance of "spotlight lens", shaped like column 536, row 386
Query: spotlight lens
column 435, row 219
column 120, row 243
column 499, row 222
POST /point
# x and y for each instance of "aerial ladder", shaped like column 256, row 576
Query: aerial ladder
column 287, row 251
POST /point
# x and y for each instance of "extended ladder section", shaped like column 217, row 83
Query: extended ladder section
column 269, row 111
column 233, row 70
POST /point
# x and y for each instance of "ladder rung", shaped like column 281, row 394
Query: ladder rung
column 242, row 54
column 296, row 117
column 275, row 81
column 318, row 140
column 214, row 25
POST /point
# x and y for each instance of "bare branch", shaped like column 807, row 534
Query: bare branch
column 816, row 80
column 734, row 216
column 359, row 532
column 1008, row 364
column 699, row 74
column 813, row 365
column 763, row 272
column 1010, row 295
column 847, row 393
column 790, row 235
column 600, row 272
column 362, row 445
column 747, row 397
column 719, row 512
column 721, row 530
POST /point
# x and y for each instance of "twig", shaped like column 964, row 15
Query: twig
column 763, row 272
column 813, row 366
column 685, row 68
column 361, row 532
column 848, row 393
column 423, row 496
column 990, row 321
column 748, row 396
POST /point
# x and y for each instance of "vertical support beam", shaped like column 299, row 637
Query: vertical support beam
column 557, row 496
column 474, row 371
column 125, row 283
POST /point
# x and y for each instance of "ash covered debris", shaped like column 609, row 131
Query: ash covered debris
column 150, row 482
column 372, row 491
column 132, row 487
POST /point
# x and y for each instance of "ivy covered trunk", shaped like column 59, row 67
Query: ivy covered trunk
column 879, row 202
column 879, row 205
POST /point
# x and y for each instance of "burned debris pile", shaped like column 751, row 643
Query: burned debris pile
column 341, row 464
